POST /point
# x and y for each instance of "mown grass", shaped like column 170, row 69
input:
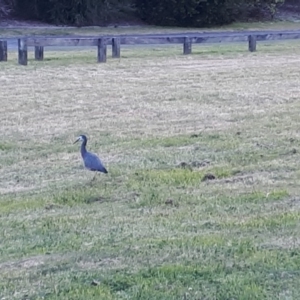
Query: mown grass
column 201, row 199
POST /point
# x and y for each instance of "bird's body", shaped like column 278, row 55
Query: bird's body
column 91, row 161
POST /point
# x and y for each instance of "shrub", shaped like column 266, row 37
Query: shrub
column 74, row 12
column 200, row 13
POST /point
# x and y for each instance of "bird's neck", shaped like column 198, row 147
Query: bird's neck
column 83, row 149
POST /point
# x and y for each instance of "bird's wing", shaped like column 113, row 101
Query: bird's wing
column 93, row 162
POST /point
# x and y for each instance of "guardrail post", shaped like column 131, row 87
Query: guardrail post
column 39, row 52
column 22, row 46
column 116, row 47
column 3, row 50
column 101, row 50
column 252, row 43
column 187, row 46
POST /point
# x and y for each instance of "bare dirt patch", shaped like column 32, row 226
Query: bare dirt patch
column 27, row 263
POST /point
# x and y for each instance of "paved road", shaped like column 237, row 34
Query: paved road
column 12, row 42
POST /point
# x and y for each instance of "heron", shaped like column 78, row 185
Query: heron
column 91, row 161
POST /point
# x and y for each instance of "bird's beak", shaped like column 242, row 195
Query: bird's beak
column 76, row 141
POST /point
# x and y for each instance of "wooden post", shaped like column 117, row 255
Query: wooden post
column 22, row 45
column 101, row 50
column 187, row 46
column 39, row 52
column 252, row 43
column 3, row 50
column 116, row 48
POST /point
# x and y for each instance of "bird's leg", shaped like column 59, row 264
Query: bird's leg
column 94, row 178
column 92, row 181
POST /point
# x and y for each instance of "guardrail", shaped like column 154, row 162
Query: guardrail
column 116, row 41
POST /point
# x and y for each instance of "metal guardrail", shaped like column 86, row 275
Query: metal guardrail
column 116, row 41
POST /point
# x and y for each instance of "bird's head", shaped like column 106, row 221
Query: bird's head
column 81, row 138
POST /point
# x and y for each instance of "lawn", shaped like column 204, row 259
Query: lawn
column 202, row 196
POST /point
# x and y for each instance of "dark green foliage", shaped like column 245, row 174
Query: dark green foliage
column 184, row 13
column 259, row 9
column 74, row 12
column 202, row 12
column 197, row 13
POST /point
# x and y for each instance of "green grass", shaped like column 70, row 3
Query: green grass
column 154, row 227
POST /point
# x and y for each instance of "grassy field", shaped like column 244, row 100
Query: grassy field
column 144, row 29
column 157, row 226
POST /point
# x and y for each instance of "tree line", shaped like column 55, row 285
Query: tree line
column 184, row 13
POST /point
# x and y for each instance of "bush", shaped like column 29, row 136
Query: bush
column 73, row 12
column 199, row 13
column 185, row 12
column 260, row 9
column 194, row 13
